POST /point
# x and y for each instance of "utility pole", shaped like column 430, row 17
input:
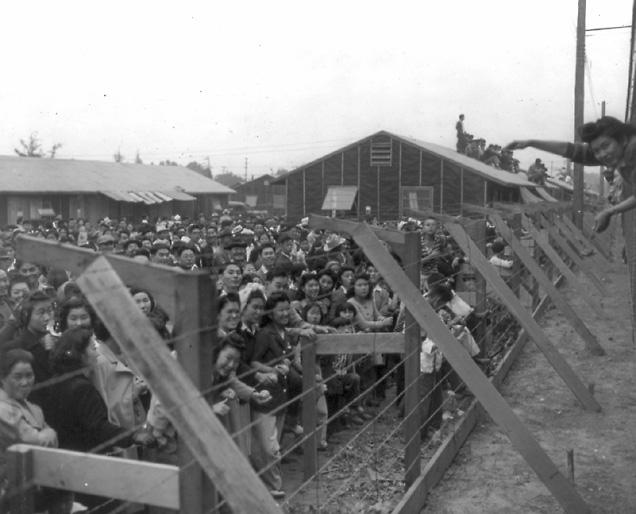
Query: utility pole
column 209, row 166
column 579, row 104
column 245, row 169
column 601, row 178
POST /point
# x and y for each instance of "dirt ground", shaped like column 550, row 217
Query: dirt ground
column 489, row 476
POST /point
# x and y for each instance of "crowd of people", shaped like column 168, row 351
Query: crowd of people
column 493, row 155
column 66, row 383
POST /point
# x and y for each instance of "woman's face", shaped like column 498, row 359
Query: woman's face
column 89, row 357
column 231, row 277
column 326, row 283
column 19, row 291
column 280, row 314
column 254, row 311
column 361, row 288
column 229, row 316
column 78, row 317
column 227, row 361
column 314, row 315
column 374, row 276
column 311, row 289
column 19, row 382
column 607, row 150
column 347, row 278
column 143, row 301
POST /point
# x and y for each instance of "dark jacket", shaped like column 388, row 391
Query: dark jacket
column 78, row 413
column 32, row 343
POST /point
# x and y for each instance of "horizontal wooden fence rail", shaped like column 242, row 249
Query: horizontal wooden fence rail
column 122, row 479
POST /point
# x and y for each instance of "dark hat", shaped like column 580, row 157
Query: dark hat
column 236, row 243
column 105, row 239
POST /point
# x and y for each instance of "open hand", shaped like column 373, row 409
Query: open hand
column 602, row 220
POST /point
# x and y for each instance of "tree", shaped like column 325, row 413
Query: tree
column 138, row 158
column 228, row 179
column 168, row 162
column 200, row 168
column 281, row 171
column 33, row 147
column 118, row 156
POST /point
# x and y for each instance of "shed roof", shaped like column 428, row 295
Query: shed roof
column 39, row 175
column 473, row 165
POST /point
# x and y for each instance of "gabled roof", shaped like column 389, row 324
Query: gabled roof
column 257, row 180
column 30, row 174
column 488, row 172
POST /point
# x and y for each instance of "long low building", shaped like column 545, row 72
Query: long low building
column 34, row 188
column 384, row 175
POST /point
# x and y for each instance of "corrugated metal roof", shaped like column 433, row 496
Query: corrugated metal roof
column 29, row 174
column 339, row 198
column 473, row 165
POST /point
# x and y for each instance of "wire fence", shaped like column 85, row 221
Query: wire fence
column 375, row 449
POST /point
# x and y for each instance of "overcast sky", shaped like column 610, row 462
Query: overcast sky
column 283, row 83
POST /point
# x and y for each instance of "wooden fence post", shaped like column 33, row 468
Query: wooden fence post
column 310, row 444
column 411, row 262
column 20, row 474
column 195, row 337
column 476, row 229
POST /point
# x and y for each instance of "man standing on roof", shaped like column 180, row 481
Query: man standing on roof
column 461, row 134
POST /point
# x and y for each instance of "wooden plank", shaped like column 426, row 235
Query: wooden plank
column 415, row 498
column 476, row 381
column 21, row 488
column 111, row 477
column 580, row 248
column 193, row 419
column 576, row 232
column 158, row 279
column 394, row 237
column 337, row 344
column 412, row 344
column 309, row 417
column 195, row 338
column 559, row 263
column 558, row 299
column 571, row 254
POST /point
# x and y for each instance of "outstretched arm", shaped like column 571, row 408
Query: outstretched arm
column 555, row 147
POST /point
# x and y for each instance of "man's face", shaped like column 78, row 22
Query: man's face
column 238, row 254
column 277, row 284
column 41, row 316
column 30, row 272
column 162, row 256
column 287, row 246
column 268, row 255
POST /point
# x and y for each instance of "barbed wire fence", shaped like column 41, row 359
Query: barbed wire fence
column 382, row 463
